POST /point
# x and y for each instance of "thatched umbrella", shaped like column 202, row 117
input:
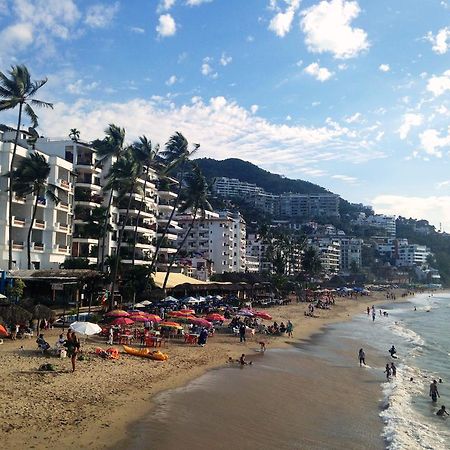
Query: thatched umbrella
column 42, row 312
column 15, row 314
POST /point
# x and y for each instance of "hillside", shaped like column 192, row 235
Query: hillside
column 246, row 171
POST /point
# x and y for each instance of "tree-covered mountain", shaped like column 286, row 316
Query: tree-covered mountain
column 246, row 171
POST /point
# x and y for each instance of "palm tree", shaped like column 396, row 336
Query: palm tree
column 146, row 156
column 175, row 155
column 194, row 198
column 112, row 145
column 31, row 177
column 74, row 134
column 19, row 90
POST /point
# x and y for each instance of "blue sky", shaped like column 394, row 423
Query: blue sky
column 353, row 95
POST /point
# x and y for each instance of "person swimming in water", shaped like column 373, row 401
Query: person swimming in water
column 392, row 351
column 442, row 412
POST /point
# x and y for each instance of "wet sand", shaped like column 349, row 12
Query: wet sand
column 311, row 397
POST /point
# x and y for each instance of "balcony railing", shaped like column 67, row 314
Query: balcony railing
column 17, row 245
column 62, row 248
column 40, row 224
column 38, row 246
column 18, row 221
column 64, row 184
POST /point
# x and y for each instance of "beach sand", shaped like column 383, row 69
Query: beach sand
column 96, row 406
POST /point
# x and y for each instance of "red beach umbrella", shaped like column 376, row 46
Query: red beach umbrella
column 138, row 318
column 184, row 313
column 3, row 331
column 117, row 313
column 201, row 322
column 215, row 317
column 263, row 315
column 171, row 325
column 122, row 321
column 153, row 318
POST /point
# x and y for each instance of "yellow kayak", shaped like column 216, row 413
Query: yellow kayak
column 146, row 353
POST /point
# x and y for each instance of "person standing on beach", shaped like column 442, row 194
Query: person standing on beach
column 289, row 328
column 374, row 314
column 434, row 393
column 368, row 311
column 362, row 357
column 388, row 372
column 242, row 330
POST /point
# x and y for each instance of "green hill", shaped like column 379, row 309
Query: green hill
column 248, row 172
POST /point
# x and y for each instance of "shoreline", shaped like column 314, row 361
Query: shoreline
column 94, row 407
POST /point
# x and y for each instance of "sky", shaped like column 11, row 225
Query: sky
column 353, row 95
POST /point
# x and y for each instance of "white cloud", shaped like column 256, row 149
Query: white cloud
column 384, row 68
column 254, row 109
column 172, row 80
column 16, row 37
column 165, row 5
column 437, row 85
column 101, row 15
column 355, row 118
column 207, row 69
column 435, row 208
column 345, row 178
column 196, row 2
column 250, row 38
column 432, row 142
column 441, row 42
column 225, row 59
column 327, row 26
column 137, row 30
column 281, row 23
column 442, row 184
column 79, row 87
column 166, row 26
column 220, row 125
column 409, row 120
column 319, row 73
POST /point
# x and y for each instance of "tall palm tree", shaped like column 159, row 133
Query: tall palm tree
column 175, row 156
column 74, row 134
column 112, row 145
column 123, row 176
column 19, row 90
column 195, row 199
column 31, row 177
column 146, row 156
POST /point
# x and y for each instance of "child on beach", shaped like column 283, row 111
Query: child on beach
column 442, row 412
column 362, row 357
column 289, row 328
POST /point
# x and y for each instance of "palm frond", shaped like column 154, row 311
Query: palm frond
column 32, row 115
column 41, row 104
column 8, row 104
column 36, row 85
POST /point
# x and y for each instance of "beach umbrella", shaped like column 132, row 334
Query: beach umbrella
column 86, row 328
column 200, row 322
column 117, row 313
column 215, row 317
column 122, row 321
column 3, row 296
column 139, row 305
column 170, row 299
column 171, row 325
column 263, row 315
column 245, row 313
column 183, row 313
column 138, row 318
column 3, row 331
column 146, row 302
column 153, row 318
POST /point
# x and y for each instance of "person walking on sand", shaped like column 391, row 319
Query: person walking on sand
column 368, row 311
column 362, row 357
column 388, row 372
column 242, row 330
column 434, row 393
column 289, row 328
column 393, row 370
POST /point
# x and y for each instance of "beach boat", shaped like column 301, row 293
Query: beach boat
column 146, row 353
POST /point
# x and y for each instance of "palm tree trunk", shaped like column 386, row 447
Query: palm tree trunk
column 30, row 230
column 119, row 240
column 11, row 193
column 172, row 261
column 105, row 231
column 141, row 206
column 166, row 228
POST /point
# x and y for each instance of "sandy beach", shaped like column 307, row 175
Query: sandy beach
column 95, row 406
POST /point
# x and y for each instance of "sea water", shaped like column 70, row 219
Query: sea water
column 420, row 330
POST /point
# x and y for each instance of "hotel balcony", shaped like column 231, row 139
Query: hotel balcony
column 66, row 185
column 87, row 165
column 64, row 207
column 18, row 222
column 64, row 249
column 63, row 227
column 17, row 245
column 37, row 246
column 20, row 200
column 39, row 224
column 167, row 195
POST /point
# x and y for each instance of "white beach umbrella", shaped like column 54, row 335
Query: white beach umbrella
column 146, row 302
column 139, row 305
column 170, row 299
column 2, row 296
column 86, row 328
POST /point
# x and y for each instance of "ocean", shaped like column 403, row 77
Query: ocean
column 315, row 396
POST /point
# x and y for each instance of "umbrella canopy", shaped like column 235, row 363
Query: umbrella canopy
column 3, row 331
column 153, row 318
column 2, row 296
column 122, row 321
column 86, row 328
column 170, row 299
column 245, row 313
column 146, row 302
column 263, row 315
column 139, row 305
column 171, row 325
column 201, row 322
column 215, row 317
column 184, row 313
column 138, row 318
column 117, row 313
